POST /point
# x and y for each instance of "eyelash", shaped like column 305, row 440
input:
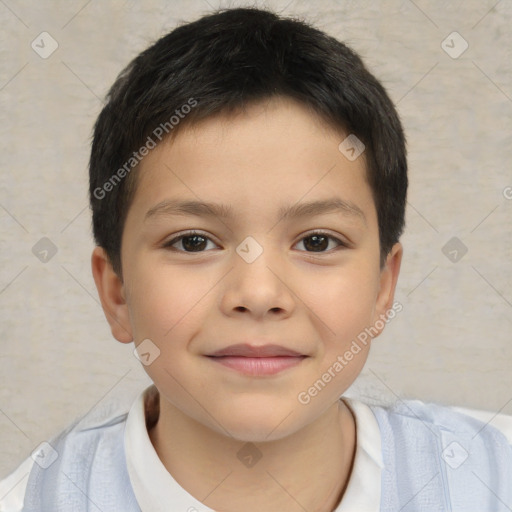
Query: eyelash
column 168, row 245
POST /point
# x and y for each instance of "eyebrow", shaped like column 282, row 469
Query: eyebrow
column 171, row 207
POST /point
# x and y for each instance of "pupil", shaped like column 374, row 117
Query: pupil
column 314, row 242
column 315, row 239
column 195, row 245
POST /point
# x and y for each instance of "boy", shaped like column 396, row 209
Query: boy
column 248, row 184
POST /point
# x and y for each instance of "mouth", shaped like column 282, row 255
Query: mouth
column 257, row 360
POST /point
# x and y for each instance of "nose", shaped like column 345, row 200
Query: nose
column 258, row 286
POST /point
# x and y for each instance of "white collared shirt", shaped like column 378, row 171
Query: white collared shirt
column 155, row 488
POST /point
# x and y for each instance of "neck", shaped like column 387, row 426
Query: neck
column 308, row 470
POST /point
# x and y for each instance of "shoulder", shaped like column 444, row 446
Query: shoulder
column 12, row 487
column 443, row 416
column 498, row 420
column 444, row 455
column 101, row 425
column 417, row 420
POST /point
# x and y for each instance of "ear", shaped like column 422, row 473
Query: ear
column 112, row 296
column 387, row 284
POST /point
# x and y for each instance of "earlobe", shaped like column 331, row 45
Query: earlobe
column 112, row 296
column 387, row 284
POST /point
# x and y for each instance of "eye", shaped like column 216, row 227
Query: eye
column 194, row 241
column 319, row 241
column 191, row 241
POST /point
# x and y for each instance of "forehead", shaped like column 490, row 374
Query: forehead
column 263, row 159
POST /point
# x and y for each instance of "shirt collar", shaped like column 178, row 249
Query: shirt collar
column 156, row 489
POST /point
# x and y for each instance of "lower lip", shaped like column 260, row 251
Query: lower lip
column 259, row 365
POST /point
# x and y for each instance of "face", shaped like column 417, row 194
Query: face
column 308, row 281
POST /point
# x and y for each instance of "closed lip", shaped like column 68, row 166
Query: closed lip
column 246, row 350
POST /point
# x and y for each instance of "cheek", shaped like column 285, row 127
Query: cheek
column 166, row 301
column 342, row 302
column 166, row 307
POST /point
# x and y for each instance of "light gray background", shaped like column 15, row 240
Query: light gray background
column 451, row 344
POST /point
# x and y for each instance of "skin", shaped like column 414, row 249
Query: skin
column 189, row 304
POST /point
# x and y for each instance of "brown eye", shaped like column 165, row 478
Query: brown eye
column 193, row 242
column 189, row 242
column 319, row 242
